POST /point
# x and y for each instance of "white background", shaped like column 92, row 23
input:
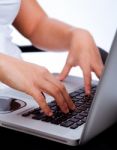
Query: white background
column 97, row 16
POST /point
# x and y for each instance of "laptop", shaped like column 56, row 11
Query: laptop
column 93, row 114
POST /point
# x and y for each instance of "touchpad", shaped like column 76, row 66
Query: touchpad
column 8, row 105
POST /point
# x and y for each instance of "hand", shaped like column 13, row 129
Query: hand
column 84, row 53
column 33, row 80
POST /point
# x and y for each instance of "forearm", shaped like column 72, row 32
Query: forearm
column 44, row 32
column 51, row 34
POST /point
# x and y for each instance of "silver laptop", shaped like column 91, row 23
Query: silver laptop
column 94, row 113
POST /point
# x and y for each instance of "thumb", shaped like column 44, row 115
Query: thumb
column 64, row 72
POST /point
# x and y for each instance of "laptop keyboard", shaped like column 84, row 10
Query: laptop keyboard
column 73, row 119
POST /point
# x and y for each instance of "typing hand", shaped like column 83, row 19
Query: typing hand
column 33, row 80
column 84, row 53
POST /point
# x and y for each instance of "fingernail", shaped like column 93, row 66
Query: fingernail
column 66, row 111
column 88, row 92
column 73, row 107
column 50, row 114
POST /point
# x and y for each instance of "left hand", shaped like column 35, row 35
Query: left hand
column 84, row 53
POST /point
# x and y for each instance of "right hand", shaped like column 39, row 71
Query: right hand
column 33, row 80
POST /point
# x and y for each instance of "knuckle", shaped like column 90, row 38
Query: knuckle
column 87, row 72
column 31, row 90
column 88, row 84
column 70, row 62
column 62, row 87
column 60, row 103
column 44, row 71
column 43, row 104
column 37, row 96
column 86, row 75
column 56, row 91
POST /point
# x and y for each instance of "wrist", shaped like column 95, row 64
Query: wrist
column 78, row 35
column 70, row 37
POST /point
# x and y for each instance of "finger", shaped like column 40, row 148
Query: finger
column 68, row 99
column 61, row 102
column 64, row 72
column 98, row 66
column 87, row 80
column 98, row 70
column 42, row 102
column 55, row 92
column 63, row 91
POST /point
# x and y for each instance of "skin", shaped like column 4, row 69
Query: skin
column 50, row 34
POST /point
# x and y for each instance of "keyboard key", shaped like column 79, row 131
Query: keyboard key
column 80, row 122
column 78, row 116
column 66, row 124
column 39, row 116
column 84, row 114
column 26, row 114
column 84, row 119
column 73, row 94
column 74, row 126
column 77, row 104
column 73, row 119
column 51, row 104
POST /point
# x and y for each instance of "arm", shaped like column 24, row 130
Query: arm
column 50, row 34
column 44, row 32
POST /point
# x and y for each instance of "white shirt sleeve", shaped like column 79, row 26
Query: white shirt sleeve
column 8, row 12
